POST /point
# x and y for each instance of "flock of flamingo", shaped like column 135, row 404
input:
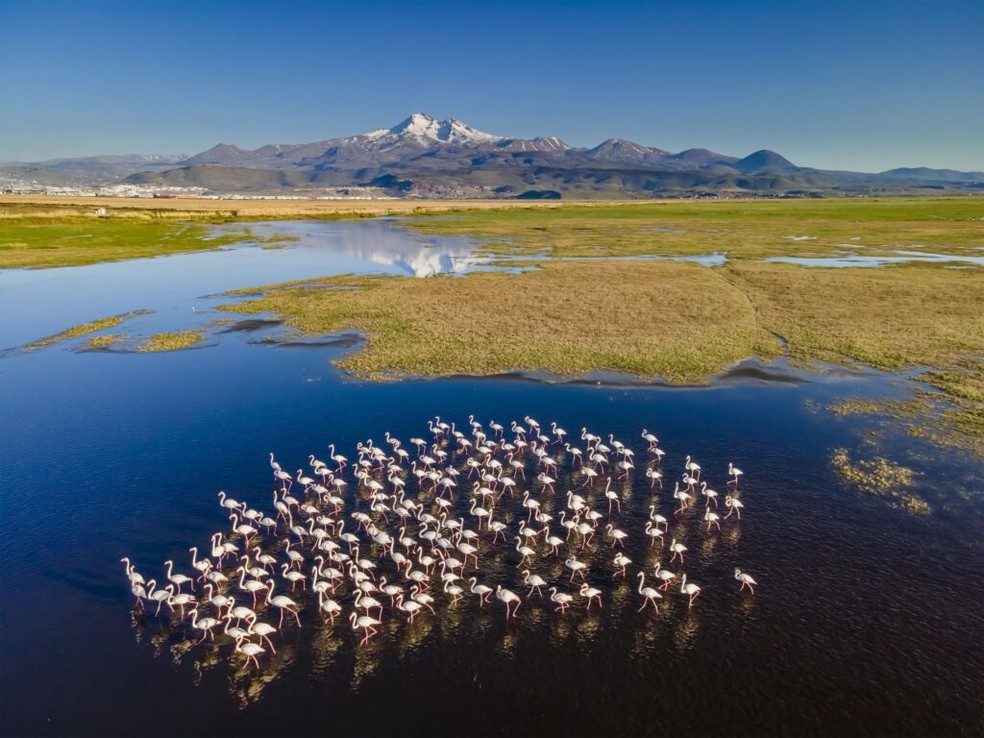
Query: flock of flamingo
column 460, row 515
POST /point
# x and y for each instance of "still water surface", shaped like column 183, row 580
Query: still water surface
column 866, row 620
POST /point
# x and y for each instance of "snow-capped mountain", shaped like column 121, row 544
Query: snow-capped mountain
column 425, row 129
column 427, row 157
column 418, row 134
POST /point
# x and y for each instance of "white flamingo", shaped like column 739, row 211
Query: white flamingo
column 746, row 580
column 649, row 594
column 507, row 597
column 691, row 590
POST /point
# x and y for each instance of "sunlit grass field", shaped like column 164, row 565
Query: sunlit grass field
column 740, row 229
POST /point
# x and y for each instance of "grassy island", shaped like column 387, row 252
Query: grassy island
column 175, row 341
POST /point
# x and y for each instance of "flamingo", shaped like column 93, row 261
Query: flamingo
column 481, row 590
column 612, row 497
column 665, row 575
column 591, row 593
column 337, row 458
column 181, row 599
column 693, row 467
column 251, row 650
column 677, row 549
column 205, row 625
column 252, row 586
column 286, row 480
column 649, row 438
column 654, row 533
column 554, row 541
column 691, row 590
column 306, row 481
column 735, row 472
column 616, row 534
column 411, row 607
column 576, row 567
column 140, row 592
column 284, row 603
column 365, row 622
column 507, row 597
column 534, row 581
column 657, row 518
column 649, row 594
column 328, row 606
column 746, row 580
column 525, row 550
column 134, row 576
column 454, row 590
column 710, row 494
column 682, row 495
column 562, row 599
column 711, row 518
column 263, row 630
column 621, row 561
column 228, row 502
column 176, row 579
column 160, row 596
column 734, row 506
column 422, row 597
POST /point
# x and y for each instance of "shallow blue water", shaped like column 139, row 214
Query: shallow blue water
column 866, row 620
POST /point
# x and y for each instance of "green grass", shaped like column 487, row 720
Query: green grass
column 742, row 230
column 175, row 341
column 45, row 244
column 85, row 329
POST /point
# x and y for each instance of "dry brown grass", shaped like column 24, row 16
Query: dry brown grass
column 678, row 321
column 887, row 318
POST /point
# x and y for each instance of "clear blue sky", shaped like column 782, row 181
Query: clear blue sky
column 864, row 85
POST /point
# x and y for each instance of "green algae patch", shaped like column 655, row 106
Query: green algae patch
column 882, row 477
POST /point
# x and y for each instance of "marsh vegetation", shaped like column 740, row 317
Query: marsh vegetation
column 171, row 341
column 84, row 329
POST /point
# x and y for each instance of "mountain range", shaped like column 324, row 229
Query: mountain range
column 425, row 157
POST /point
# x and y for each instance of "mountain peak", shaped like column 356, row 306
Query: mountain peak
column 764, row 160
column 426, row 128
column 620, row 150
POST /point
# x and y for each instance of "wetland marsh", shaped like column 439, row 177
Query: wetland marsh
column 863, row 532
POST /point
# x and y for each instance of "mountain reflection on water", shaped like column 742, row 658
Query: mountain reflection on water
column 379, row 242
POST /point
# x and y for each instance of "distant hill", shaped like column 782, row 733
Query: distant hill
column 425, row 157
column 764, row 161
column 935, row 175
